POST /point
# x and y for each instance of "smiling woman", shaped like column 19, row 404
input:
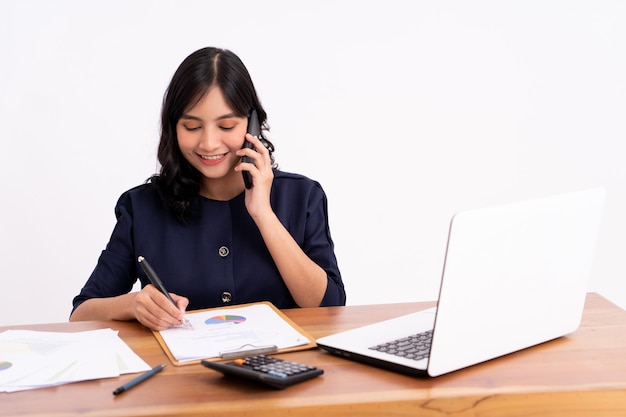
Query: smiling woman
column 209, row 136
column 211, row 240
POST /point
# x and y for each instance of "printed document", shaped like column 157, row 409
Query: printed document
column 36, row 359
column 219, row 331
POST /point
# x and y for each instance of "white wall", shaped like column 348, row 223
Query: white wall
column 405, row 111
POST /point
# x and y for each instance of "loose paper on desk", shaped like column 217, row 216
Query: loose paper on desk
column 37, row 359
column 231, row 329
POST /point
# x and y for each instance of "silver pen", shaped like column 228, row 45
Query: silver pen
column 156, row 281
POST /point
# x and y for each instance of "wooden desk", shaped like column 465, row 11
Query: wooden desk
column 581, row 374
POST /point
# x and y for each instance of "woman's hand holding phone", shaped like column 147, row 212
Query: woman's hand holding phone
column 258, row 197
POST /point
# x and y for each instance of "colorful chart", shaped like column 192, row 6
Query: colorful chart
column 227, row 318
column 5, row 365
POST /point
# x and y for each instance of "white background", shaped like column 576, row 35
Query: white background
column 405, row 111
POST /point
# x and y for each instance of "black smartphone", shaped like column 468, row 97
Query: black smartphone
column 254, row 128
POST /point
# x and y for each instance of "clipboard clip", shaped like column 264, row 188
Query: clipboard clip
column 248, row 350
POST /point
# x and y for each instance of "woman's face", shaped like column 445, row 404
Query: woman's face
column 209, row 133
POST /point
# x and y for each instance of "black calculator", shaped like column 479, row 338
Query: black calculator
column 275, row 372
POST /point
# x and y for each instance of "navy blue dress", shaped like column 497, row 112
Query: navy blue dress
column 218, row 258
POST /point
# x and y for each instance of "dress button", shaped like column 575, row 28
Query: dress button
column 223, row 251
column 226, row 297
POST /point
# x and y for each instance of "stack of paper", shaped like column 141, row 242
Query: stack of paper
column 36, row 359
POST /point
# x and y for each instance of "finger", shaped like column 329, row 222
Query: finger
column 151, row 320
column 154, row 323
column 162, row 301
column 154, row 309
column 259, row 159
column 257, row 145
column 181, row 302
column 253, row 139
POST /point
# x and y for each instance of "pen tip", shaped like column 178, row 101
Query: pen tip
column 140, row 259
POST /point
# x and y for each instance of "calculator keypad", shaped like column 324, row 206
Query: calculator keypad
column 274, row 366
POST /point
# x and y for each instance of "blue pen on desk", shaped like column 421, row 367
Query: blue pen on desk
column 156, row 281
column 139, row 379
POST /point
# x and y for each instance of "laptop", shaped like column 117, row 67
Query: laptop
column 514, row 276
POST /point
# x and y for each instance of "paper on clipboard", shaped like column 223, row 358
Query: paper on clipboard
column 247, row 327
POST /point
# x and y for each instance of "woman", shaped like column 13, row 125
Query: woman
column 212, row 241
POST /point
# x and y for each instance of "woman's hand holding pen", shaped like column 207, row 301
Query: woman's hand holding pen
column 155, row 311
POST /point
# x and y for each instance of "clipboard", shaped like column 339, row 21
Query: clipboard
column 306, row 342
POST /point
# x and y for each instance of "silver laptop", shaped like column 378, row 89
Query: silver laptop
column 514, row 276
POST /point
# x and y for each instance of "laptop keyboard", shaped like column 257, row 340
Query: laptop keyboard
column 411, row 347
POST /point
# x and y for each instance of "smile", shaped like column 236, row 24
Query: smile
column 212, row 157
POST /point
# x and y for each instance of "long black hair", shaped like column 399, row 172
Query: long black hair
column 178, row 181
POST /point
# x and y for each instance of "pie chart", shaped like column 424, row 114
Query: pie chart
column 227, row 318
column 5, row 365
